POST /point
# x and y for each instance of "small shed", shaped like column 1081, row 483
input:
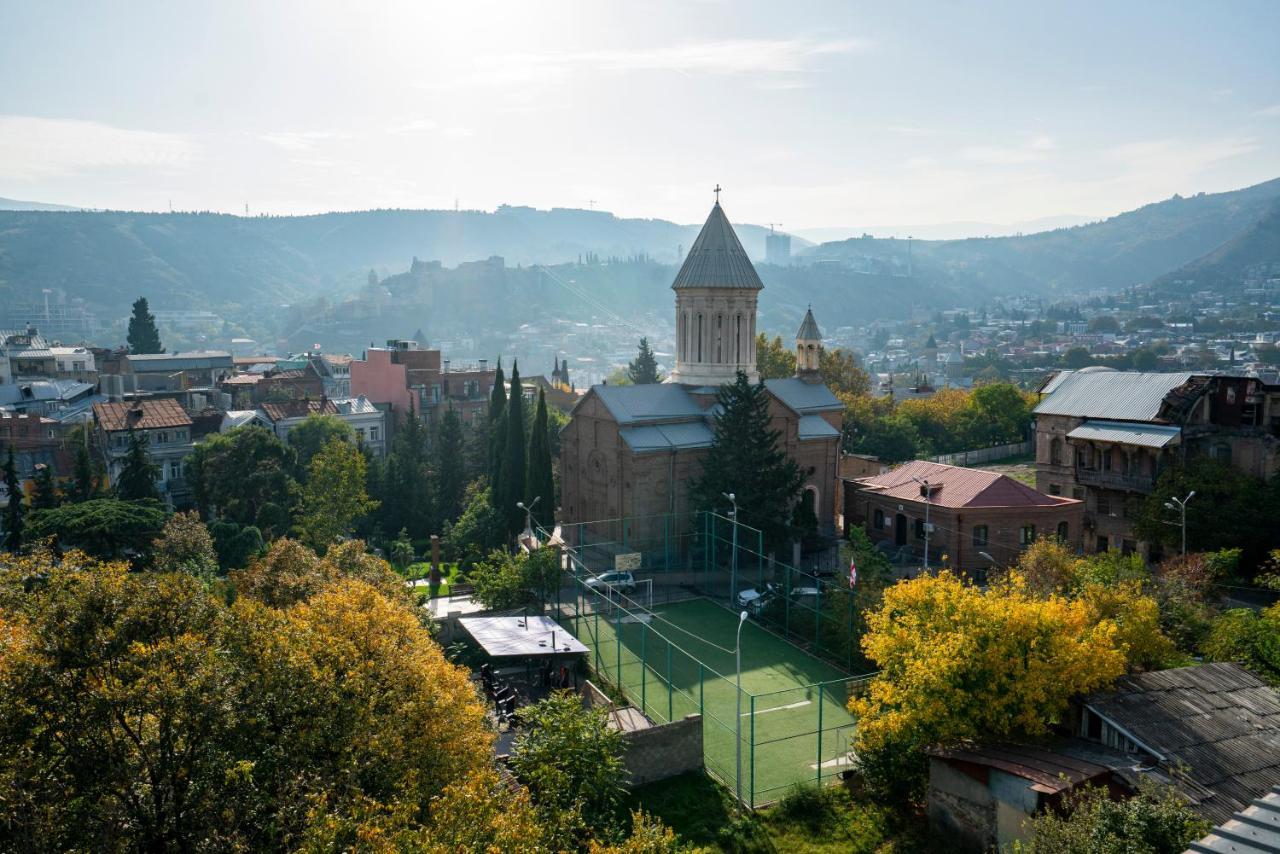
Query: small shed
column 522, row 636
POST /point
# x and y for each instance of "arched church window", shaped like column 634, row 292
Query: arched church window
column 720, row 339
column 699, row 336
column 737, row 340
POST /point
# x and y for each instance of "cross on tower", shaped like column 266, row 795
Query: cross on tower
column 717, row 191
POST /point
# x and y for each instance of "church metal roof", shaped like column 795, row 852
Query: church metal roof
column 803, row 397
column 632, row 404
column 668, row 437
column 717, row 259
column 816, row 427
column 809, row 329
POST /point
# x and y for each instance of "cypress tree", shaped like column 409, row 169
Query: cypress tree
column 644, row 370
column 138, row 475
column 85, row 481
column 497, row 422
column 451, row 476
column 45, row 495
column 511, row 483
column 747, row 459
column 12, row 513
column 144, row 337
column 539, row 482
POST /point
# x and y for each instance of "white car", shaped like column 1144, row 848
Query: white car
column 605, row 581
column 753, row 599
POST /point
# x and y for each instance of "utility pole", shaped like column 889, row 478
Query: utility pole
column 733, row 561
column 1182, row 508
column 928, row 528
column 737, row 658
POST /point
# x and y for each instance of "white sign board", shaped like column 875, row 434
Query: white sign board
column 629, row 562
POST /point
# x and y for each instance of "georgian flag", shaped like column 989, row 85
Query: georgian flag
column 853, row 573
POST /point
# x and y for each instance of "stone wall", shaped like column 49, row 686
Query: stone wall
column 659, row 752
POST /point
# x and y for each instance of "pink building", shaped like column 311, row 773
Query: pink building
column 381, row 380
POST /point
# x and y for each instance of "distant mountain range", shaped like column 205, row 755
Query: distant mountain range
column 19, row 205
column 945, row 230
column 1132, row 248
column 246, row 267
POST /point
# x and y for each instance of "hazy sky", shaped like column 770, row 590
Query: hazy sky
column 811, row 114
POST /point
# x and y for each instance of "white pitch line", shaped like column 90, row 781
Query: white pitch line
column 777, row 708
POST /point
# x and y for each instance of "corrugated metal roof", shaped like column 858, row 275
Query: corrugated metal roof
column 803, row 397
column 667, row 437
column 359, row 405
column 193, row 361
column 1253, row 830
column 955, row 486
column 1118, row 395
column 1142, row 435
column 1048, row 771
column 816, row 427
column 717, row 259
column 1219, row 720
column 631, row 404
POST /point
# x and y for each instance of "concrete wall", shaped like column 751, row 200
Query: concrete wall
column 659, row 752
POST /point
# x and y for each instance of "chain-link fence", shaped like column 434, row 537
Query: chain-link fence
column 773, row 690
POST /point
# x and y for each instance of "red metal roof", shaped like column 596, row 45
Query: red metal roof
column 955, row 486
column 141, row 415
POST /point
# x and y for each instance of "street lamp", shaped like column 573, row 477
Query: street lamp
column 927, row 526
column 528, row 514
column 1181, row 506
column 733, row 560
column 989, row 558
column 737, row 655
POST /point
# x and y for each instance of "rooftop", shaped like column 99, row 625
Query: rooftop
column 299, row 408
column 809, row 328
column 717, row 259
column 631, row 404
column 1253, row 830
column 957, row 487
column 1118, row 395
column 1218, row 720
column 141, row 415
column 802, row 397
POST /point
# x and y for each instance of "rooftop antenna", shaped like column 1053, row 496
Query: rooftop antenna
column 772, row 225
column 591, row 203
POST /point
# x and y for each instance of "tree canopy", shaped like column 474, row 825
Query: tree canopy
column 238, row 473
column 334, row 496
column 103, row 527
column 138, row 474
column 643, row 370
column 773, row 360
column 312, row 434
column 144, row 337
column 539, row 481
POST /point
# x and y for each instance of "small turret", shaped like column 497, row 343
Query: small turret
column 809, row 350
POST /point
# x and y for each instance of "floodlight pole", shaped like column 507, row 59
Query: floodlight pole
column 528, row 513
column 733, row 566
column 737, row 657
column 1182, row 508
column 927, row 526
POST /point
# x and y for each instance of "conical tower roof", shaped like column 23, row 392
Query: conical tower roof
column 717, row 259
column 809, row 328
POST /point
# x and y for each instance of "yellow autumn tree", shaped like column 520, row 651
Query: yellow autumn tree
column 959, row 662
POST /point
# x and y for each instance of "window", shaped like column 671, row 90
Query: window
column 1055, row 489
column 919, row 529
column 720, row 338
column 1027, row 535
column 737, row 341
column 699, row 359
column 435, row 392
column 981, row 536
column 360, row 432
column 1128, row 547
column 877, row 520
column 1102, row 544
column 162, row 436
column 1055, row 452
column 1104, row 504
column 1222, row 452
column 1063, row 531
column 373, row 434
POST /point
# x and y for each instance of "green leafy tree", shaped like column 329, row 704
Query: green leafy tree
column 334, row 495
column 450, row 466
column 143, row 337
column 314, row 433
column 235, row 544
column 402, row 551
column 774, row 361
column 138, row 474
column 510, row 489
column 748, row 461
column 1248, row 638
column 841, row 372
column 1157, row 820
column 540, row 481
column 497, row 430
column 644, row 370
column 571, row 761
column 45, row 494
column 185, row 545
column 504, row 580
column 479, row 530
column 13, row 510
column 107, row 528
column 406, row 498
column 235, row 474
column 1005, row 408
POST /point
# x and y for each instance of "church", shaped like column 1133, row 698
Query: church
column 631, row 451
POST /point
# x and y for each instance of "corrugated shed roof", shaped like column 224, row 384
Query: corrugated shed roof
column 717, row 259
column 630, row 404
column 1219, row 720
column 667, row 437
column 803, row 397
column 1118, row 395
column 1253, row 830
column 954, row 486
column 359, row 405
column 816, row 427
column 1142, row 435
column 1048, row 771
column 141, row 415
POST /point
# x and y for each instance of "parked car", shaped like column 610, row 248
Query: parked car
column 753, row 599
column 618, row 580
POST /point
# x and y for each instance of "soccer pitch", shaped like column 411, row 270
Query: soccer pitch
column 678, row 660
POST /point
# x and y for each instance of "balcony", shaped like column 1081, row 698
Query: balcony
column 1114, row 480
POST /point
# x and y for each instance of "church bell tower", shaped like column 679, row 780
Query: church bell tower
column 809, row 350
column 716, row 293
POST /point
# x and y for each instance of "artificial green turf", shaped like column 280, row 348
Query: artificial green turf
column 689, row 645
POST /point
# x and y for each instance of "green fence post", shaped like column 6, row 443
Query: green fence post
column 597, row 640
column 671, row 710
column 752, row 777
column 820, row 691
column 702, row 680
column 617, row 639
column 644, row 667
